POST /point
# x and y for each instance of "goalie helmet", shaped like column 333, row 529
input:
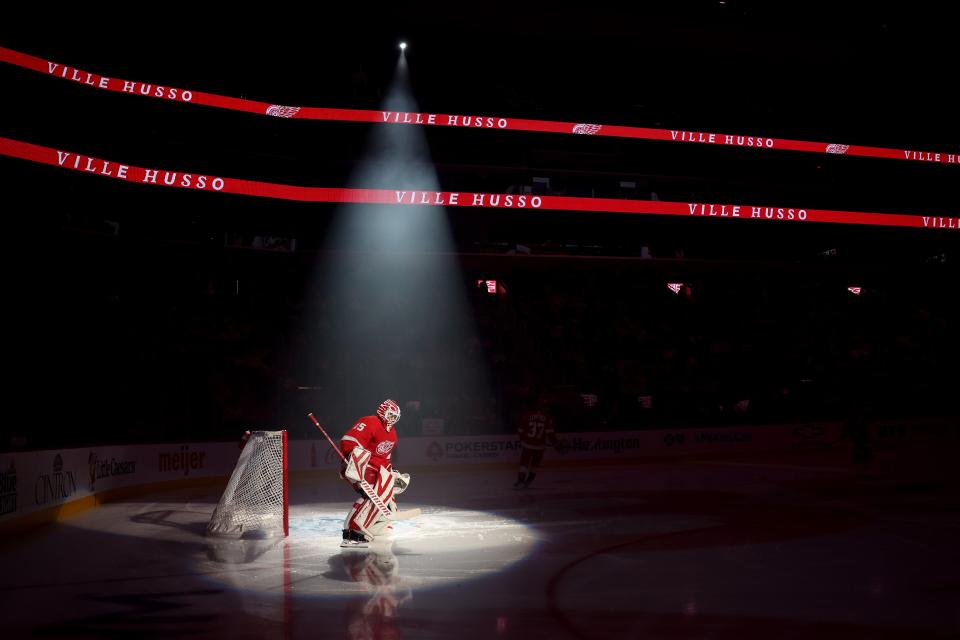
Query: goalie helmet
column 389, row 412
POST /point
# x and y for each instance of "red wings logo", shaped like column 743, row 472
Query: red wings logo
column 837, row 148
column 587, row 129
column 384, row 448
column 281, row 111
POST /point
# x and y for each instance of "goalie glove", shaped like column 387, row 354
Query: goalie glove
column 400, row 482
column 357, row 464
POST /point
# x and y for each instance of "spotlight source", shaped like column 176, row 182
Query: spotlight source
column 403, row 46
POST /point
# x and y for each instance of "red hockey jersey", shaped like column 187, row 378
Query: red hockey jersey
column 370, row 433
column 536, row 430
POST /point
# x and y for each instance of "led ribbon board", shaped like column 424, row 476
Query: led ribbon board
column 175, row 94
column 198, row 182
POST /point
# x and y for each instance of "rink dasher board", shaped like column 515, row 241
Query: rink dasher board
column 34, row 482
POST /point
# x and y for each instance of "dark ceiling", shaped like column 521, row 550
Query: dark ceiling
column 879, row 74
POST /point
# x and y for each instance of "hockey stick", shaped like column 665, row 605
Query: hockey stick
column 367, row 489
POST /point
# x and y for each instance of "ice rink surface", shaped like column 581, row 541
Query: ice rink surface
column 804, row 545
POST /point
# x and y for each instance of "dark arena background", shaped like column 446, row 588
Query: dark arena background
column 714, row 244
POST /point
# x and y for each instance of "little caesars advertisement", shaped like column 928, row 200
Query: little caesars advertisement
column 36, row 480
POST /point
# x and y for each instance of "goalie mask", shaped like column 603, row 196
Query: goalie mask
column 389, row 412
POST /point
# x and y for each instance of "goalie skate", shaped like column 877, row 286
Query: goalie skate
column 354, row 540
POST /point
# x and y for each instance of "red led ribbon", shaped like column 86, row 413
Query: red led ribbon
column 202, row 182
column 473, row 122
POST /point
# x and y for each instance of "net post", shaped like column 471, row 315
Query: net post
column 286, row 490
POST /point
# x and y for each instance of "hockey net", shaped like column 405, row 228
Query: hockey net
column 255, row 501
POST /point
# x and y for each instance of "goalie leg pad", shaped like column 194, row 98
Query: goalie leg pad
column 384, row 485
column 385, row 490
column 361, row 515
column 381, row 527
column 364, row 516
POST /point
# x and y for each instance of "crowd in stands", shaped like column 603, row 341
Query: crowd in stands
column 173, row 345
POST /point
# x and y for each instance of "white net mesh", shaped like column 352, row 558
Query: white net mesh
column 254, row 500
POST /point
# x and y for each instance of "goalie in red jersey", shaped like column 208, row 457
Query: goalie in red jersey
column 367, row 447
column 536, row 433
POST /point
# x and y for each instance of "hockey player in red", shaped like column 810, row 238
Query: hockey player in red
column 536, row 432
column 367, row 447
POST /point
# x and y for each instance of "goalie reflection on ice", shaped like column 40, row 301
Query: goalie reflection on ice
column 367, row 447
column 376, row 569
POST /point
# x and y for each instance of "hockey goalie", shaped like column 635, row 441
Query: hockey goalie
column 366, row 448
